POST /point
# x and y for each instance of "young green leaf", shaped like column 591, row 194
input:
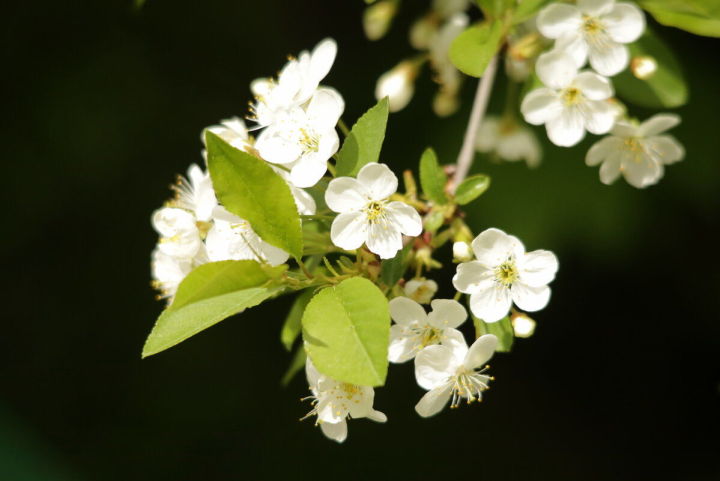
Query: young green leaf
column 471, row 188
column 495, row 8
column 701, row 17
column 249, row 188
column 528, row 8
column 432, row 177
column 293, row 325
column 502, row 329
column 346, row 329
column 296, row 365
column 472, row 50
column 209, row 294
column 393, row 269
column 663, row 88
column 365, row 141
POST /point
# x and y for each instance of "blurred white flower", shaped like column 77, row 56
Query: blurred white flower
column 378, row 17
column 510, row 140
column 571, row 102
column 179, row 235
column 523, row 325
column 398, row 85
column 446, row 74
column 462, row 252
column 504, row 273
column 421, row 290
column 638, row 152
column 452, row 371
column 594, row 29
column 366, row 214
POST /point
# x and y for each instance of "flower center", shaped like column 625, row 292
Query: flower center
column 592, row 25
column 635, row 146
column 430, row 336
column 309, row 141
column 375, row 211
column 469, row 385
column 506, row 273
column 571, row 96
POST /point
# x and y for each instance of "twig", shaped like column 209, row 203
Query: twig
column 482, row 95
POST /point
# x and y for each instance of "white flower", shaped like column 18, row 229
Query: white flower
column 451, row 371
column 196, row 193
column 570, row 103
column 333, row 402
column 232, row 238
column 168, row 272
column 366, row 214
column 502, row 274
column 638, row 152
column 415, row 330
column 398, row 85
column 598, row 29
column 510, row 140
column 296, row 83
column 523, row 325
column 303, row 139
column 421, row 290
column 461, row 252
column 179, row 235
column 234, row 132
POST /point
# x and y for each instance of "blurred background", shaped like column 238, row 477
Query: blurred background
column 104, row 104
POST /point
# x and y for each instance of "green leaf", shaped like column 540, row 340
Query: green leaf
column 528, row 8
column 249, row 188
column 293, row 325
column 432, row 177
column 494, row 8
column 210, row 293
column 433, row 221
column 365, row 141
column 701, row 17
column 296, row 365
column 346, row 329
column 393, row 269
column 502, row 329
column 471, row 188
column 665, row 88
column 472, row 50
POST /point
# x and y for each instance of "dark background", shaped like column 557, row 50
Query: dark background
column 104, row 104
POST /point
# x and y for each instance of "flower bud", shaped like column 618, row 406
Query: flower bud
column 421, row 290
column 378, row 17
column 523, row 325
column 398, row 84
column 423, row 31
column 643, row 67
column 462, row 252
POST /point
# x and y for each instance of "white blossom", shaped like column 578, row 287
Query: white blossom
column 421, row 290
column 461, row 251
column 570, row 102
column 510, row 140
column 452, row 371
column 334, row 402
column 303, row 139
column 415, row 330
column 398, row 85
column 638, row 152
column 367, row 216
column 594, row 29
column 168, row 272
column 196, row 193
column 179, row 235
column 504, row 273
column 234, row 132
column 232, row 238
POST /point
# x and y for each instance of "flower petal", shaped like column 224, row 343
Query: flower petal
column 472, row 276
column 657, row 124
column 480, row 351
column 603, row 149
column 345, row 194
column 384, row 239
column 599, row 117
column 595, row 8
column 593, row 86
column 377, row 416
column 325, row 108
column 303, row 201
column 530, row 298
column 665, row 148
column 491, row 304
column 434, row 401
column 273, row 255
column 446, row 313
column 405, row 311
column 556, row 69
column 433, row 366
column 610, row 59
column 493, row 246
column 573, row 44
column 308, row 170
column 538, row 268
column 567, row 129
column 378, row 180
column 540, row 106
column 624, row 23
column 349, row 230
column 405, row 217
column 557, row 19
column 610, row 170
column 640, row 170
column 322, row 58
column 403, row 345
column 276, row 148
column 335, row 431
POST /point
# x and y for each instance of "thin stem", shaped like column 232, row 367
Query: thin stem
column 343, row 128
column 482, row 95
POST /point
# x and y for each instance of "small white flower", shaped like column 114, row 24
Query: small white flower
column 196, row 193
column 571, row 102
column 462, row 252
column 179, row 235
column 502, row 274
column 415, row 330
column 598, row 29
column 234, row 132
column 398, row 85
column 303, row 139
column 366, row 214
column 451, row 371
column 168, row 272
column 334, row 402
column 296, row 83
column 232, row 238
column 638, row 152
column 510, row 140
column 421, row 290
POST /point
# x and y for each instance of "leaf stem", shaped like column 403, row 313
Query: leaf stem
column 343, row 128
column 482, row 95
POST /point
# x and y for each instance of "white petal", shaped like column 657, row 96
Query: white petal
column 405, row 217
column 603, row 149
column 274, row 255
column 304, row 201
column 538, row 268
column 325, row 108
column 322, row 58
column 530, row 298
column 349, row 230
column 472, row 276
column 453, row 339
column 433, row 366
column 308, row 170
column 556, row 69
column 312, row 374
column 641, row 170
column 345, row 194
column 276, row 148
column 491, row 304
column 599, row 116
column 610, row 59
column 406, row 311
column 665, row 148
column 481, row 351
column 573, row 44
column 376, row 416
column 540, row 106
column 624, row 23
column 378, row 180
column 557, row 19
column 335, row 431
column 567, row 129
column 493, row 246
column 625, row 129
column 403, row 345
column 593, row 86
column 658, row 124
column 610, row 170
column 595, row 8
column 384, row 239
column 434, row 401
column 446, row 313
